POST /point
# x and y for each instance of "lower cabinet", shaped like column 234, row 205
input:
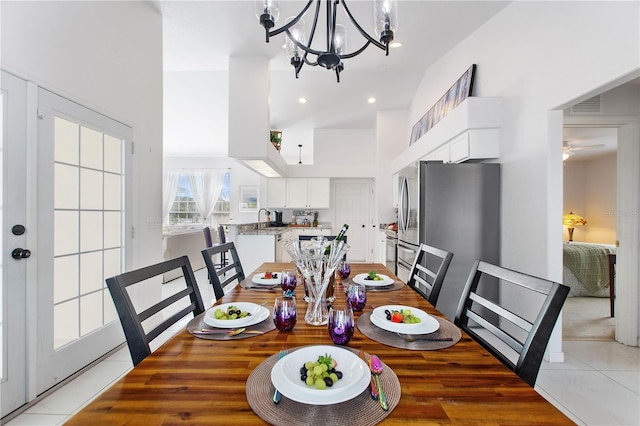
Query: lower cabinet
column 254, row 250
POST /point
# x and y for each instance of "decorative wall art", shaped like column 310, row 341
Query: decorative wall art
column 249, row 198
column 461, row 90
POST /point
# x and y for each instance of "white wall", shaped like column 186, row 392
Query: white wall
column 340, row 153
column 391, row 141
column 196, row 113
column 553, row 54
column 539, row 57
column 106, row 56
column 590, row 191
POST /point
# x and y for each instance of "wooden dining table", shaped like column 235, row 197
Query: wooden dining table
column 190, row 380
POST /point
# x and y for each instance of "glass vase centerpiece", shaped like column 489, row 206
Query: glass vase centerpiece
column 317, row 260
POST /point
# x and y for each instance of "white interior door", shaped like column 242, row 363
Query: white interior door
column 13, row 212
column 352, row 205
column 84, row 228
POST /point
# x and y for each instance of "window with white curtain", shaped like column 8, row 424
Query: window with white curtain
column 196, row 197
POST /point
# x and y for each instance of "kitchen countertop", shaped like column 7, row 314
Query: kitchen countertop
column 277, row 230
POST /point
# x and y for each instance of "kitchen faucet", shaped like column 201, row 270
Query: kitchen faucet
column 267, row 211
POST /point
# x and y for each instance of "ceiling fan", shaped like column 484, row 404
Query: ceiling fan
column 570, row 147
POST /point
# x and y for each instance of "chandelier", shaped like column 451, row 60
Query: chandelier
column 298, row 46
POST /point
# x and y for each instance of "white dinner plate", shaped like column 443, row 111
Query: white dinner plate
column 360, row 279
column 427, row 324
column 258, row 314
column 285, row 376
column 260, row 279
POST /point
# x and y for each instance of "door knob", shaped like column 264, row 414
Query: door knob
column 18, row 229
column 19, row 253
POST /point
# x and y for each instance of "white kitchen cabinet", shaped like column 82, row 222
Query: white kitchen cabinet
column 254, row 250
column 319, row 193
column 306, row 193
column 297, row 193
column 281, row 254
column 440, row 154
column 276, row 193
column 475, row 144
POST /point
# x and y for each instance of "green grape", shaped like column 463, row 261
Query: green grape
column 310, row 381
column 320, row 384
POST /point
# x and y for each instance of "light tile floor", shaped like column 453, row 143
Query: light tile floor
column 599, row 384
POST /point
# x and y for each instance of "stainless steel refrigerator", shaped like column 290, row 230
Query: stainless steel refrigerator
column 454, row 207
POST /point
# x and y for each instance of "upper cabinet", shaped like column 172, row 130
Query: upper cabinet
column 309, row 193
column 299, row 193
column 276, row 193
column 470, row 132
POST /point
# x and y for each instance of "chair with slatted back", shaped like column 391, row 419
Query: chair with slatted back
column 173, row 308
column 516, row 327
column 222, row 238
column 208, row 241
column 428, row 271
column 221, row 276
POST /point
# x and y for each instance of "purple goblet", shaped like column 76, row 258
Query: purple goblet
column 344, row 270
column 284, row 313
column 341, row 325
column 289, row 280
column 356, row 297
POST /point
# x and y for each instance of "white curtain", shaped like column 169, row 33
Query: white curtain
column 206, row 186
column 169, row 191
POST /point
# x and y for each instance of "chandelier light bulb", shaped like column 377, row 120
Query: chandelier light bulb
column 267, row 12
column 385, row 20
column 340, row 39
column 297, row 32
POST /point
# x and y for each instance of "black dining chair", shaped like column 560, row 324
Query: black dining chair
column 428, row 271
column 517, row 326
column 161, row 315
column 208, row 241
column 221, row 276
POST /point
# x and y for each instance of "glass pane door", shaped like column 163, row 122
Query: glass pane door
column 82, row 207
column 13, row 272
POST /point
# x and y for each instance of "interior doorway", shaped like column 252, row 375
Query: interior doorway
column 590, row 191
column 624, row 213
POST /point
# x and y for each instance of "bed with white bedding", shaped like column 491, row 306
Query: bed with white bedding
column 586, row 268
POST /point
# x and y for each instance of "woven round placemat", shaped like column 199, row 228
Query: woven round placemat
column 197, row 323
column 361, row 410
column 447, row 329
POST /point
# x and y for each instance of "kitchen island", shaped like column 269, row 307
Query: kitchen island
column 258, row 243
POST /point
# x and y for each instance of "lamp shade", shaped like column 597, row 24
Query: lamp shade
column 572, row 220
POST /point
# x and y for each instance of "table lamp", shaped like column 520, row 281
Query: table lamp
column 571, row 220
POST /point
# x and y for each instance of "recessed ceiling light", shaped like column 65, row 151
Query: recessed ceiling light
column 302, row 100
column 371, row 100
column 395, row 44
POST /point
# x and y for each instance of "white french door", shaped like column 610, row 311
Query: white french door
column 13, row 235
column 83, row 198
